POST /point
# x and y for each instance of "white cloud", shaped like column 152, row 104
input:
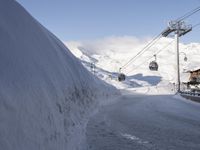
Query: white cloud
column 119, row 44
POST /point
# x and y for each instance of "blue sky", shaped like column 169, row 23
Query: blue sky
column 94, row 19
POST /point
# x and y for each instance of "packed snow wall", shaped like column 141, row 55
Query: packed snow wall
column 46, row 94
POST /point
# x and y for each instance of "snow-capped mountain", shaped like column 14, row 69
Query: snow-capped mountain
column 111, row 53
column 46, row 95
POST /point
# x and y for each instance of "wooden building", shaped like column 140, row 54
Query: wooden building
column 194, row 76
column 194, row 80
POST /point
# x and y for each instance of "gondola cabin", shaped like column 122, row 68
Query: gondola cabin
column 153, row 66
column 121, row 77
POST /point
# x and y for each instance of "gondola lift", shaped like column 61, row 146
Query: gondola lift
column 153, row 65
column 121, row 76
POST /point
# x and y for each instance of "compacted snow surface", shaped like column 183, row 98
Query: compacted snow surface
column 146, row 122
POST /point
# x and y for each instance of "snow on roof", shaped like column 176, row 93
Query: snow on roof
column 192, row 67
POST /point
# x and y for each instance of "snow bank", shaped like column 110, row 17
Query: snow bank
column 46, row 94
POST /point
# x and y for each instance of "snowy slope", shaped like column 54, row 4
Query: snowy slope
column 46, row 95
column 113, row 52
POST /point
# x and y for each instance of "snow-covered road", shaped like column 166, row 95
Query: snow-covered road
column 145, row 122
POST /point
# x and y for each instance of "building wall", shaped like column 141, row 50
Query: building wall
column 195, row 76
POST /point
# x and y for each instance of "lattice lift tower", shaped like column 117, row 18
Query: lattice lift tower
column 179, row 28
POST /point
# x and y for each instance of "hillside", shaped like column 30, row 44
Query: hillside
column 109, row 54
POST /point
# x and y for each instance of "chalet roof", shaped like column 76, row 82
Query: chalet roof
column 192, row 68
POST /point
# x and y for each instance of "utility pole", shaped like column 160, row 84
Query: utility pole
column 92, row 67
column 177, row 59
column 179, row 28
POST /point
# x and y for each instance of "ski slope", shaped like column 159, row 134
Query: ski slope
column 46, row 95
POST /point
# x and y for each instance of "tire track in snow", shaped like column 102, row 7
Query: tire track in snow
column 135, row 139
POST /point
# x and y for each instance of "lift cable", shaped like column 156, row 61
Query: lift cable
column 187, row 15
column 154, row 40
column 150, row 44
column 194, row 26
column 151, row 56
